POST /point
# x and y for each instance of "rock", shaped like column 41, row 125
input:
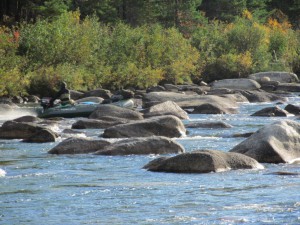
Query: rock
column 157, row 88
column 211, row 125
column 142, row 146
column 126, row 94
column 33, row 99
column 274, row 143
column 261, row 96
column 293, row 109
column 282, row 77
column 19, row 130
column 32, row 119
column 200, row 90
column 102, row 123
column 244, row 135
column 90, row 99
column 284, row 173
column 186, row 101
column 76, row 94
column 171, row 87
column 78, row 146
column 42, row 136
column 17, row 100
column 288, row 87
column 115, row 111
column 71, row 131
column 271, row 111
column 236, row 84
column 165, row 108
column 168, row 126
column 203, row 161
column 209, row 108
column 106, row 94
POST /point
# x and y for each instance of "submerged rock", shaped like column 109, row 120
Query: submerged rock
column 78, row 146
column 203, row 161
column 217, row 124
column 142, row 146
column 274, row 143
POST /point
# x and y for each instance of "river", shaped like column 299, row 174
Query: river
column 39, row 188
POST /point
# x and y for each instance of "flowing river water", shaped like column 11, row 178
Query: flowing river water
column 39, row 188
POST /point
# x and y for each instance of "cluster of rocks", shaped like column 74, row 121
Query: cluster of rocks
column 164, row 115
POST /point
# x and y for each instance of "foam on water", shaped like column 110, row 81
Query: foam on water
column 10, row 114
column 2, row 173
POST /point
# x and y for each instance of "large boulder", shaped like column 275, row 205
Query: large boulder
column 274, row 143
column 19, row 130
column 271, row 112
column 115, row 111
column 261, row 96
column 187, row 101
column 168, row 126
column 165, row 108
column 282, row 77
column 42, row 136
column 103, row 123
column 288, row 87
column 236, row 84
column 293, row 109
column 78, row 146
column 203, row 161
column 142, row 146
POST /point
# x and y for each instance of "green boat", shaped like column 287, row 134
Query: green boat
column 81, row 109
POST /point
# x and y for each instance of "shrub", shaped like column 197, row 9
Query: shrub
column 12, row 82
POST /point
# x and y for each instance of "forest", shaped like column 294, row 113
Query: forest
column 118, row 44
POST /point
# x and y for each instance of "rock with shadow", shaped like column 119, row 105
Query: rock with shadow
column 115, row 111
column 293, row 109
column 274, row 143
column 78, row 146
column 203, row 161
column 271, row 112
column 142, row 146
column 168, row 126
column 30, row 132
column 102, row 123
column 208, row 124
column 165, row 108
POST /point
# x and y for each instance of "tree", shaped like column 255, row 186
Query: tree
column 223, row 9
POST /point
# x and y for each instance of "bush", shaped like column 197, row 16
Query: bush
column 12, row 82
